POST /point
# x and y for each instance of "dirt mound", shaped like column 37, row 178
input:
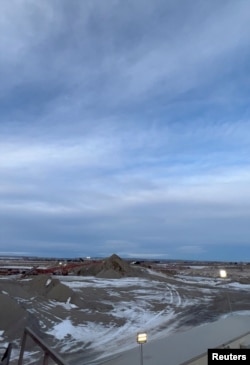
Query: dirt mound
column 52, row 289
column 112, row 267
column 92, row 269
column 110, row 274
column 40, row 284
column 61, row 293
column 11, row 312
column 14, row 290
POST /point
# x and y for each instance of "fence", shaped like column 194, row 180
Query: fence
column 48, row 353
column 6, row 356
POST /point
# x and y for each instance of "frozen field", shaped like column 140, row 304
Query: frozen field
column 87, row 319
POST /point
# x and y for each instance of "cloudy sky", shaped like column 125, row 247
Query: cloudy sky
column 125, row 128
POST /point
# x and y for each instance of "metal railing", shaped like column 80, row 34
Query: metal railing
column 6, row 356
column 48, row 353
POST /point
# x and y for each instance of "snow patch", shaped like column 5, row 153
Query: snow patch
column 48, row 282
column 94, row 282
column 1, row 335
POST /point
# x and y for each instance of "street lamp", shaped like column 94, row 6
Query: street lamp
column 223, row 275
column 141, row 339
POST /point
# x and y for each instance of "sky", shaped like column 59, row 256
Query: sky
column 124, row 128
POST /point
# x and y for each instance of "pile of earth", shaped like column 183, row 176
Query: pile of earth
column 13, row 317
column 112, row 267
column 15, row 302
column 51, row 288
column 22, row 302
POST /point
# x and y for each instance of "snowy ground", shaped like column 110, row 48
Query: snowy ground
column 138, row 309
column 138, row 297
column 114, row 310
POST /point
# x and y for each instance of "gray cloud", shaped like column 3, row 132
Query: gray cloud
column 118, row 52
column 124, row 127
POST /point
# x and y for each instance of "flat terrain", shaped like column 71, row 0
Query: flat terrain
column 89, row 318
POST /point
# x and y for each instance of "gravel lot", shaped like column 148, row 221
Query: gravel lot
column 87, row 318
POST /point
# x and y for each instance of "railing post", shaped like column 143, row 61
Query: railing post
column 6, row 356
column 46, row 358
column 20, row 360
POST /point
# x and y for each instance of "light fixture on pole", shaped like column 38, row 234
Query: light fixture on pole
column 223, row 275
column 141, row 339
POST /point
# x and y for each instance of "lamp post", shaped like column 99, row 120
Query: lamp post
column 223, row 275
column 141, row 339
